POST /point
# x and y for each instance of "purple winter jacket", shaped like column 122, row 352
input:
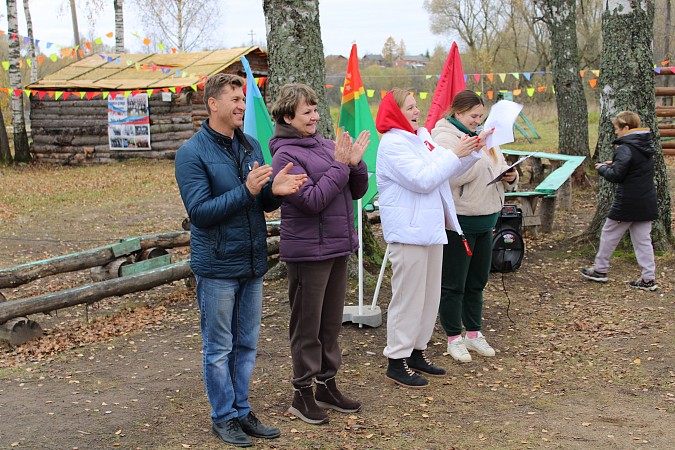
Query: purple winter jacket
column 317, row 222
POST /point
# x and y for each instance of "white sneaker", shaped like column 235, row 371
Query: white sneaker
column 479, row 345
column 458, row 350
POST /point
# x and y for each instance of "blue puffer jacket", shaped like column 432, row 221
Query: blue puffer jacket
column 228, row 237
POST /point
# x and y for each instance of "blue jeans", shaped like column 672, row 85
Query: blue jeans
column 231, row 311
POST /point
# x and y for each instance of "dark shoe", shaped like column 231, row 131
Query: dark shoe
column 644, row 285
column 304, row 407
column 252, row 426
column 418, row 361
column 328, row 396
column 591, row 274
column 230, row 432
column 398, row 372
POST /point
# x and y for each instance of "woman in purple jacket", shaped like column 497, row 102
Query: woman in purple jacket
column 317, row 237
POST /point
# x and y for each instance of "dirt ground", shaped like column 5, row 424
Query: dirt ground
column 579, row 365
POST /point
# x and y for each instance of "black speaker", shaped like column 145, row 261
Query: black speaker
column 508, row 247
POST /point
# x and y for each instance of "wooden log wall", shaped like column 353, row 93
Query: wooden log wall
column 75, row 131
column 666, row 130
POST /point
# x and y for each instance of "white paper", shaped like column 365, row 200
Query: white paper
column 503, row 115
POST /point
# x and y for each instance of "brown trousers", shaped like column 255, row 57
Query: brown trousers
column 316, row 292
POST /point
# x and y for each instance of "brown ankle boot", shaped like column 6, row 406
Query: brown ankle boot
column 304, row 406
column 328, row 396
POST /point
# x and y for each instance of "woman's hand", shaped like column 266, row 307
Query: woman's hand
column 467, row 145
column 510, row 176
column 343, row 148
column 285, row 183
column 359, row 148
column 485, row 133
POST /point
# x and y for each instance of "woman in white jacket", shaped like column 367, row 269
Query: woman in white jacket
column 478, row 205
column 416, row 207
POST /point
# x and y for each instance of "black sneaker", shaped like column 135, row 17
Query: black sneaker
column 419, row 362
column 398, row 372
column 644, row 285
column 592, row 274
column 253, row 427
column 230, row 432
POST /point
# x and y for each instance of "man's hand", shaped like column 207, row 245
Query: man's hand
column 359, row 148
column 287, row 184
column 258, row 177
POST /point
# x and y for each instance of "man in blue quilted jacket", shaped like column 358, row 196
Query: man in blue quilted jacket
column 226, row 188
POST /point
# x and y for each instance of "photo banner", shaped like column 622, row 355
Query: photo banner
column 129, row 122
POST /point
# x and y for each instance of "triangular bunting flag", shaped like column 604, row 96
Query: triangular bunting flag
column 476, row 76
column 502, row 76
column 491, row 77
column 530, row 92
column 593, row 82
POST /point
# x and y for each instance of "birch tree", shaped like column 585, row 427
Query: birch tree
column 21, row 147
column 560, row 17
column 118, row 5
column 627, row 83
column 296, row 51
column 31, row 42
column 5, row 153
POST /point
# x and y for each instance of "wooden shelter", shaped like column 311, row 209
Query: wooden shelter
column 69, row 108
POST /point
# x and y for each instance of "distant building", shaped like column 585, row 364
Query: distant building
column 371, row 59
column 414, row 61
column 76, row 130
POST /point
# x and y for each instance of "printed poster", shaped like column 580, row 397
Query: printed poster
column 129, row 122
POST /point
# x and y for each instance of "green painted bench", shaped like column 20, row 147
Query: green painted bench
column 546, row 189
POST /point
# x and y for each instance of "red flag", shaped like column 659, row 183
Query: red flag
column 450, row 83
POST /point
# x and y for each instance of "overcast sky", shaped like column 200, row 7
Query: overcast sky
column 367, row 22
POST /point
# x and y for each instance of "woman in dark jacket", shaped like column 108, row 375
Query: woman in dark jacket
column 635, row 205
column 317, row 237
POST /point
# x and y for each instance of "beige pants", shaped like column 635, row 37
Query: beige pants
column 416, row 293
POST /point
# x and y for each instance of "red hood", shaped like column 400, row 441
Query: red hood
column 390, row 116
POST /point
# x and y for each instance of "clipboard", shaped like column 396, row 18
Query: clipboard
column 501, row 175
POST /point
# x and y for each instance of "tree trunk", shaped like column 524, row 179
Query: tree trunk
column 560, row 17
column 5, row 152
column 31, row 43
column 118, row 5
column 627, row 83
column 76, row 30
column 21, row 147
column 296, row 51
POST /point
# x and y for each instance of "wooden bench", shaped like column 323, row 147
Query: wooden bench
column 533, row 215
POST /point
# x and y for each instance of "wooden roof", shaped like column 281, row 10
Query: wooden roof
column 145, row 71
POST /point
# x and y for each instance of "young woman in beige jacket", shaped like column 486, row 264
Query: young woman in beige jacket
column 466, row 271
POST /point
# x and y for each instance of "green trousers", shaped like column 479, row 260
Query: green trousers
column 463, row 280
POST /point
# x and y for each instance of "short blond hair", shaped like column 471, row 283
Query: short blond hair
column 627, row 119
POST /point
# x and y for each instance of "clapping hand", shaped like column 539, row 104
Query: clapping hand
column 285, row 183
column 258, row 177
column 359, row 148
column 343, row 148
column 467, row 145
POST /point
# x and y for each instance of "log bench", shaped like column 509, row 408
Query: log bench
column 535, row 214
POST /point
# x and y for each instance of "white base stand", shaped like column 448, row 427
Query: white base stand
column 369, row 315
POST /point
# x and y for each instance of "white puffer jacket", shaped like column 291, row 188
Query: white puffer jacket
column 415, row 201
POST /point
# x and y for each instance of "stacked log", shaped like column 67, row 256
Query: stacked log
column 666, row 130
column 75, row 131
